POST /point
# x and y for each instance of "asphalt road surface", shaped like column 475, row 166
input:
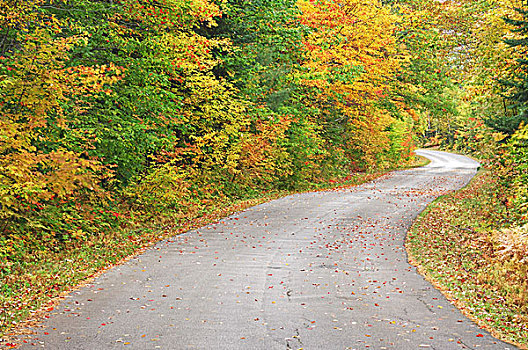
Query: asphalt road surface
column 320, row 270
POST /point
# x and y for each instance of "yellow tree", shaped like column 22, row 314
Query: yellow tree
column 37, row 165
column 352, row 56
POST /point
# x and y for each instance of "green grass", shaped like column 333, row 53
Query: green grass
column 419, row 161
column 451, row 245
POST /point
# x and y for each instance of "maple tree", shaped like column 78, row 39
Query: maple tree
column 352, row 60
column 39, row 167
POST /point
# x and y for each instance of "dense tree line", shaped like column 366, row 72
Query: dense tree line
column 166, row 104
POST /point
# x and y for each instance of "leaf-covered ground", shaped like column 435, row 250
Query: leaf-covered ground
column 451, row 243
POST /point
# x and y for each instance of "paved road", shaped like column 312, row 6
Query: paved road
column 324, row 270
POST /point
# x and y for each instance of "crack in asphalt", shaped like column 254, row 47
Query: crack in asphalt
column 294, row 339
column 427, row 306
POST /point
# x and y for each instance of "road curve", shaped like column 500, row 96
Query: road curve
column 318, row 270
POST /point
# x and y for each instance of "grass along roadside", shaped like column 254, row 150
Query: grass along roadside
column 32, row 287
column 452, row 244
column 419, row 162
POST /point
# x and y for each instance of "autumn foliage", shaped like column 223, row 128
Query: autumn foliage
column 134, row 113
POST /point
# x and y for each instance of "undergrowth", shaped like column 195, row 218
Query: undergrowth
column 459, row 244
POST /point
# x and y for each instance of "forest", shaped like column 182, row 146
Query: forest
column 124, row 120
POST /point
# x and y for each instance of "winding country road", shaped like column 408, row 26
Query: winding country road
column 319, row 270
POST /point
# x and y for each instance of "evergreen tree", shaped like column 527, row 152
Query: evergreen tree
column 517, row 82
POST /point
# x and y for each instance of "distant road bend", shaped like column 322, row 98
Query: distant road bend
column 318, row 270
